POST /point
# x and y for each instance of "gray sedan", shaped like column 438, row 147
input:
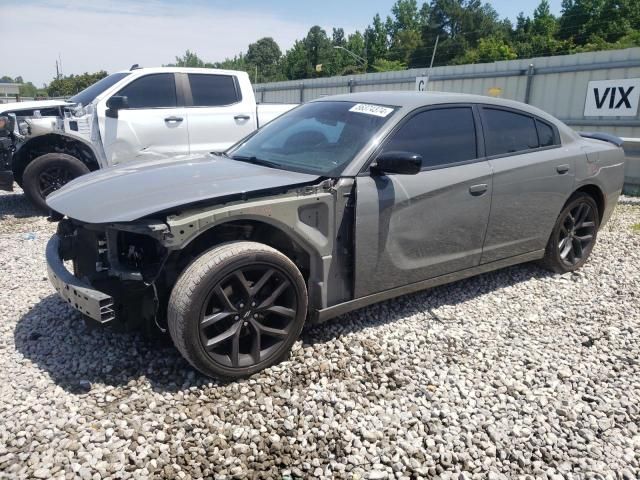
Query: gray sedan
column 340, row 203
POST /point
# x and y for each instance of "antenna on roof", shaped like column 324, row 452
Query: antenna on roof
column 135, row 66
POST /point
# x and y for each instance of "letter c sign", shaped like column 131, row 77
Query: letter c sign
column 421, row 83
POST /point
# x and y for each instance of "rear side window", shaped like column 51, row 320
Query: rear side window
column 508, row 132
column 546, row 135
column 213, row 90
column 151, row 91
column 442, row 136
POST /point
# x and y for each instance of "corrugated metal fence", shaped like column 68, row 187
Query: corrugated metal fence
column 557, row 85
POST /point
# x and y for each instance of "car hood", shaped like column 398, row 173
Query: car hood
column 33, row 105
column 133, row 190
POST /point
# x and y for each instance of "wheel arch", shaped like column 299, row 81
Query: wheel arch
column 269, row 232
column 52, row 143
column 595, row 192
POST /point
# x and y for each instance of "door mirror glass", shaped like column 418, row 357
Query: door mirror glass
column 404, row 163
column 115, row 103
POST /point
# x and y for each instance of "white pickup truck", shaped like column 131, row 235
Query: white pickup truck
column 141, row 113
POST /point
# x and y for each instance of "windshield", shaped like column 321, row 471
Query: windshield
column 317, row 138
column 86, row 96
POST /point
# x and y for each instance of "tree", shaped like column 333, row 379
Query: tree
column 319, row 51
column 403, row 30
column 296, row 62
column 467, row 31
column 490, row 49
column 72, row 84
column 238, row 62
column 598, row 21
column 189, row 59
column 355, row 44
column 383, row 65
column 375, row 39
column 544, row 23
column 266, row 55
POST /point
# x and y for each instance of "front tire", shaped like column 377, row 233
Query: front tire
column 573, row 235
column 47, row 173
column 237, row 309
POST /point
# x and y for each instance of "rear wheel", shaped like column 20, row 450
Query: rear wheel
column 237, row 309
column 48, row 173
column 573, row 236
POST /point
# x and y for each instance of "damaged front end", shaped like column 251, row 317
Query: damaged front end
column 116, row 270
column 7, row 149
column 58, row 122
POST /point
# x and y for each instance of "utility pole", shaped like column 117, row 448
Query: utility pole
column 433, row 56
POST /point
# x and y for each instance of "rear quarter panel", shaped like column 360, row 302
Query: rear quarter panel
column 603, row 166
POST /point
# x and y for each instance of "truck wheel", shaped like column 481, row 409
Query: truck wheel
column 47, row 173
column 573, row 235
column 237, row 309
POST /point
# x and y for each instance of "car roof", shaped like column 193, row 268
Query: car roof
column 412, row 100
column 210, row 71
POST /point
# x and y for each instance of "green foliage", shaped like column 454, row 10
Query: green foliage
column 468, row 31
column 189, row 59
column 265, row 54
column 490, row 49
column 383, row 65
column 72, row 84
column 375, row 39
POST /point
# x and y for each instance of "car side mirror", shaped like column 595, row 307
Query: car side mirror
column 403, row 163
column 115, row 103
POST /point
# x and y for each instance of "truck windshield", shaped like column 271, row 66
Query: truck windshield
column 316, row 138
column 86, row 96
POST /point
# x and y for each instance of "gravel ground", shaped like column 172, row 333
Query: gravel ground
column 513, row 374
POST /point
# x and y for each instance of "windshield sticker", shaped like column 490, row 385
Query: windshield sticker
column 369, row 109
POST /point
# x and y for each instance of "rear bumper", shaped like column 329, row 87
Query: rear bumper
column 80, row 295
column 6, row 180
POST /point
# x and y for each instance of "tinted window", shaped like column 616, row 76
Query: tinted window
column 441, row 136
column 546, row 136
column 212, row 90
column 151, row 91
column 508, row 132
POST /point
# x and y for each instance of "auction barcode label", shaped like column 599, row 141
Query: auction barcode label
column 368, row 109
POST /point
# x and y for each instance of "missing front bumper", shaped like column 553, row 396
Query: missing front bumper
column 81, row 296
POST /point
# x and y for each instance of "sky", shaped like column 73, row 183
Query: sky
column 111, row 35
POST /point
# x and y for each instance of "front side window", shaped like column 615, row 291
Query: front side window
column 508, row 132
column 151, row 91
column 212, row 90
column 442, row 136
column 318, row 137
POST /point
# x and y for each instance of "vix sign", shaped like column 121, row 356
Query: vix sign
column 612, row 98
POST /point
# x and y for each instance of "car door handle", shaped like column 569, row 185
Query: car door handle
column 242, row 117
column 477, row 190
column 562, row 169
column 173, row 119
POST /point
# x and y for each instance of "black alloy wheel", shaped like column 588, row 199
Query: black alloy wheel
column 237, row 309
column 248, row 315
column 577, row 233
column 574, row 235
